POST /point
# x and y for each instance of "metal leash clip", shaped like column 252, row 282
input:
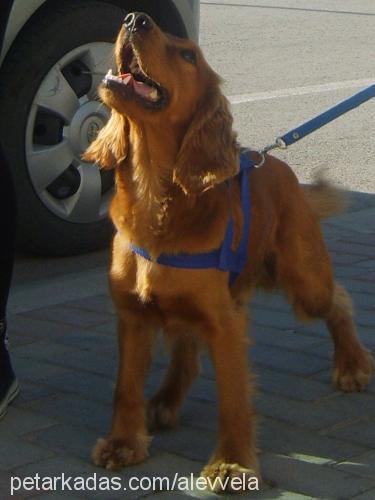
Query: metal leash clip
column 278, row 144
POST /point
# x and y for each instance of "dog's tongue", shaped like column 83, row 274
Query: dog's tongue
column 126, row 77
column 144, row 90
column 140, row 88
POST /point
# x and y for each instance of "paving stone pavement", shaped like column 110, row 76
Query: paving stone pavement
column 315, row 442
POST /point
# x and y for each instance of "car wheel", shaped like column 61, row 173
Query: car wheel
column 50, row 114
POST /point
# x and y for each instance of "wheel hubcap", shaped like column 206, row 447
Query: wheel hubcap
column 85, row 125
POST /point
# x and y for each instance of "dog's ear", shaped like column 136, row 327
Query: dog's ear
column 110, row 147
column 209, row 150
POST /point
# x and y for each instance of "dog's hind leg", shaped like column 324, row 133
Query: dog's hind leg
column 306, row 274
column 164, row 406
column 353, row 363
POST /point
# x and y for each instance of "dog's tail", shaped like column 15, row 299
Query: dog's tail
column 324, row 198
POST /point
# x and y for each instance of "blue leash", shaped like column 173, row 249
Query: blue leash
column 319, row 121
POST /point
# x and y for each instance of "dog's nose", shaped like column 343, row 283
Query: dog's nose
column 137, row 21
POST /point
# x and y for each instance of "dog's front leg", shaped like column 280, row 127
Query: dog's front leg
column 128, row 441
column 235, row 455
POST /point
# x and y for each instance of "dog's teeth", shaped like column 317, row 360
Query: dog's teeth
column 111, row 77
column 127, row 79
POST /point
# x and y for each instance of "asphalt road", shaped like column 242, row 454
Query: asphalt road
column 283, row 61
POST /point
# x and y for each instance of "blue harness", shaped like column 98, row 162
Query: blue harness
column 223, row 258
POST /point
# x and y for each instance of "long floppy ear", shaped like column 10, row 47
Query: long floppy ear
column 209, row 150
column 111, row 145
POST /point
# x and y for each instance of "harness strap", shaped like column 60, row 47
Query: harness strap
column 223, row 258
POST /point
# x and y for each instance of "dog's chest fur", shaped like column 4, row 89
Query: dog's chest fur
column 174, row 296
column 140, row 277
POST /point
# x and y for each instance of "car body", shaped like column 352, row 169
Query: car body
column 53, row 57
column 22, row 12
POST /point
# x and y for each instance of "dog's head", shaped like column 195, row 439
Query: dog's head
column 164, row 80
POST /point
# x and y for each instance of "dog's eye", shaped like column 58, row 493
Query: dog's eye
column 189, row 56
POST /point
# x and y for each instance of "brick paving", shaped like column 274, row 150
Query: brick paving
column 315, row 442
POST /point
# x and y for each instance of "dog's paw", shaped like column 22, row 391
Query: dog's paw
column 222, row 476
column 115, row 453
column 353, row 373
column 161, row 416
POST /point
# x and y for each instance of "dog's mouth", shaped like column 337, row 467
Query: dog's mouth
column 133, row 81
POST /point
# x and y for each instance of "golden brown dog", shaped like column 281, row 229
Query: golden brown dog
column 171, row 142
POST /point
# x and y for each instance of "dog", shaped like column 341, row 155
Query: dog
column 176, row 158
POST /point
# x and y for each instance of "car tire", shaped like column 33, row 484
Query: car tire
column 49, row 222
